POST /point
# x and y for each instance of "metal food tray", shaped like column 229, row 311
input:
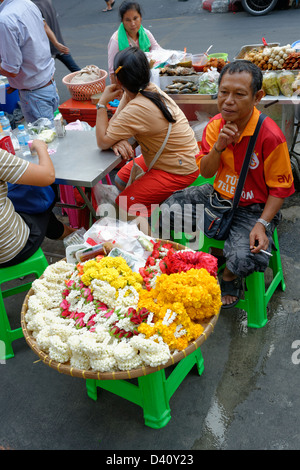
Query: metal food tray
column 249, row 47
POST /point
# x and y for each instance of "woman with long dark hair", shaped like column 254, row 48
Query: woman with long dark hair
column 158, row 125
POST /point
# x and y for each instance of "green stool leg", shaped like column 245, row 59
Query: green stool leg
column 255, row 300
column 6, row 334
column 153, row 391
column 36, row 265
column 276, row 265
column 155, row 401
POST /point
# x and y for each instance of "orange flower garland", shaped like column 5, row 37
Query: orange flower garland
column 178, row 303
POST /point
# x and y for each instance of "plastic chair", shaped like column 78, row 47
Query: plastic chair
column 256, row 296
column 36, row 265
column 153, row 391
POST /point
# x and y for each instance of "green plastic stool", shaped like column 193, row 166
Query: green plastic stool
column 153, row 391
column 36, row 264
column 256, row 296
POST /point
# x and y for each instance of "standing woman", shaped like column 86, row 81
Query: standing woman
column 130, row 33
column 157, row 124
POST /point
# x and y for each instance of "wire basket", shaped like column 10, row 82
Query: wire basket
column 83, row 91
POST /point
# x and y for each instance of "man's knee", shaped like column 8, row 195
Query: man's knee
column 241, row 262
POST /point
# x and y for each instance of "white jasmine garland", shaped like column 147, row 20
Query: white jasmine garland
column 180, row 331
column 71, row 339
column 169, row 317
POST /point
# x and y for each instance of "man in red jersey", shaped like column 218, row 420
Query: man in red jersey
column 269, row 179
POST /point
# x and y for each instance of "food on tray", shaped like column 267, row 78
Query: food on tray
column 177, row 70
column 214, row 62
column 270, row 58
column 270, row 84
column 296, row 83
column 185, row 63
column 292, row 62
column 285, row 81
column 181, row 87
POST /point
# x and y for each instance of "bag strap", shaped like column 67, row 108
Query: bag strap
column 161, row 148
column 246, row 162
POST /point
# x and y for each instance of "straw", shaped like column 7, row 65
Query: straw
column 206, row 53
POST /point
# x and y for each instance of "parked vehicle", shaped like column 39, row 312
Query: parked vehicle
column 259, row 7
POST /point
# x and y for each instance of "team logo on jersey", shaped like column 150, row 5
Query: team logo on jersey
column 254, row 162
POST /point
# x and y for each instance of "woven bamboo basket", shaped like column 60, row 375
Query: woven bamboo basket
column 83, row 91
column 65, row 368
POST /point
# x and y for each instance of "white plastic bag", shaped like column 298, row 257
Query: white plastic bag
column 124, row 235
column 105, row 194
column 199, row 126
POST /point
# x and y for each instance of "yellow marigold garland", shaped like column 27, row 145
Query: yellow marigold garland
column 114, row 270
column 193, row 295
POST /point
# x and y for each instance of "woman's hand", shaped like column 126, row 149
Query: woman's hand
column 38, row 145
column 123, row 149
column 111, row 93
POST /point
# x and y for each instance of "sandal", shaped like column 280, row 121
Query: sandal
column 106, row 9
column 233, row 288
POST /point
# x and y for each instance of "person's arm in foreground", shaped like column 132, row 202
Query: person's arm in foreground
column 43, row 173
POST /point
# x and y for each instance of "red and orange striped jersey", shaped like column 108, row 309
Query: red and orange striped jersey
column 270, row 170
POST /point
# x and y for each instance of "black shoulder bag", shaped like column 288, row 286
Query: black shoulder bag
column 218, row 213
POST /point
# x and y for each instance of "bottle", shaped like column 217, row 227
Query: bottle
column 5, row 124
column 23, row 138
column 6, row 142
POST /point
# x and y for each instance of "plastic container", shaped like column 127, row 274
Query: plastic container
column 23, row 138
column 296, row 45
column 10, row 102
column 219, row 55
column 5, row 123
column 198, row 62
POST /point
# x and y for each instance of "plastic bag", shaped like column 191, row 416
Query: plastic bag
column 162, row 57
column 78, row 126
column 39, row 125
column 105, row 194
column 124, row 235
column 270, row 84
column 42, row 129
column 285, row 81
column 208, row 82
column 199, row 126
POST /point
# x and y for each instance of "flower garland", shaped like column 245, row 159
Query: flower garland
column 179, row 302
column 98, row 315
column 164, row 259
